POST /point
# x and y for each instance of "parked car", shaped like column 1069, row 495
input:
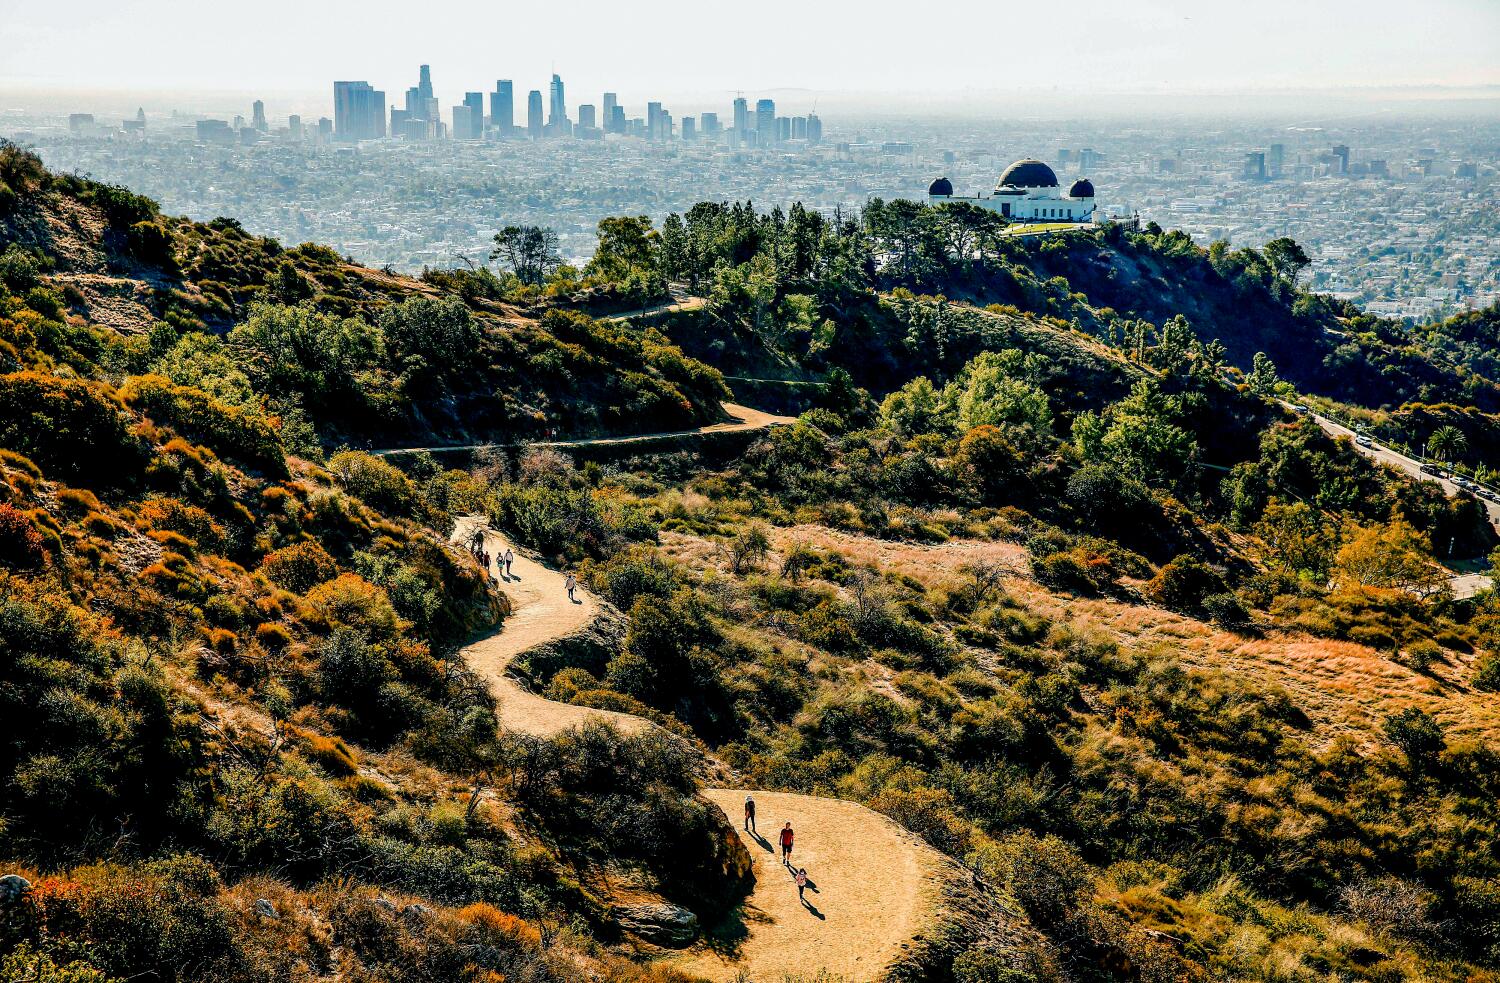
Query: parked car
column 1363, row 440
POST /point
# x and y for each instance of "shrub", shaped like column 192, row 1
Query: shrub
column 273, row 636
column 1183, row 584
column 350, row 601
column 227, row 430
column 300, row 566
column 330, row 752
column 68, row 427
column 22, row 546
column 375, row 482
column 151, row 244
column 1487, row 672
column 1418, row 735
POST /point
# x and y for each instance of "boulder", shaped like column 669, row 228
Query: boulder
column 415, row 912
column 265, row 909
column 13, row 887
column 662, row 924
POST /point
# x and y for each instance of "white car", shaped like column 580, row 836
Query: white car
column 1364, row 441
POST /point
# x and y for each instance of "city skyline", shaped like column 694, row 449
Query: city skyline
column 1165, row 45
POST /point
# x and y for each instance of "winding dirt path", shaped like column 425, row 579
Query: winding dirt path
column 740, row 418
column 875, row 886
column 540, row 613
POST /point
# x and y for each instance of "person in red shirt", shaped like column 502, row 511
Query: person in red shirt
column 786, row 843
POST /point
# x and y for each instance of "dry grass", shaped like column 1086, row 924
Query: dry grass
column 1345, row 688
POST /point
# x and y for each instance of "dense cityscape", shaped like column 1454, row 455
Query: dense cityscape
column 1399, row 216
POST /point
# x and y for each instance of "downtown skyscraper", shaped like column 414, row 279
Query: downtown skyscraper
column 358, row 111
column 503, row 107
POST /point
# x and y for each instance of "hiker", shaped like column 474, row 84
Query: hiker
column 750, row 813
column 801, row 884
column 509, row 556
column 786, row 844
column 571, row 584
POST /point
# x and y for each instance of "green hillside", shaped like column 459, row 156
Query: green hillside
column 1158, row 678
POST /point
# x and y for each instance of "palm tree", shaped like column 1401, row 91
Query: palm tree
column 1447, row 443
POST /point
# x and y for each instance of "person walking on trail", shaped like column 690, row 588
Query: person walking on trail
column 571, row 584
column 802, row 884
column 786, row 844
column 750, row 813
column 509, row 558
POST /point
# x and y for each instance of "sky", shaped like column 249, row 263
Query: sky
column 182, row 52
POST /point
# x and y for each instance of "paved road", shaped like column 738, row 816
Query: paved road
column 1463, row 585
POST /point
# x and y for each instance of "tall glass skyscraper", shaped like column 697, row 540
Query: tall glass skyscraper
column 503, row 107
column 557, row 116
column 358, row 111
column 534, row 113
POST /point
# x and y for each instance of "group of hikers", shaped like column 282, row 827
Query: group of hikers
column 502, row 562
column 788, row 838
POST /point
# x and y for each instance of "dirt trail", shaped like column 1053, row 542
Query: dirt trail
column 872, row 887
column 740, row 418
column 876, row 887
column 541, row 612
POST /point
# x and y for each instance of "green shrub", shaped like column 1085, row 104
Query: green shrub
column 300, row 566
column 376, row 482
column 68, row 427
column 229, row 431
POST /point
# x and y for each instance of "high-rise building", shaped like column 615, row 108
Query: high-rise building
column 475, row 102
column 616, row 120
column 586, row 116
column 424, row 82
column 325, row 129
column 1341, row 159
column 741, row 115
column 765, row 121
column 611, row 100
column 814, row 128
column 534, row 114
column 79, row 123
column 1255, row 165
column 799, row 127
column 294, row 127
column 709, row 124
column 463, row 125
column 358, row 111
column 653, row 121
column 689, row 128
column 258, row 116
column 503, row 107
column 557, row 109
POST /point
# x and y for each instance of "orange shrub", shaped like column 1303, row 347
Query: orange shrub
column 223, row 641
column 273, row 636
column 493, row 921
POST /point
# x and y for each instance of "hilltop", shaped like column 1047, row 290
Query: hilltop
column 1045, row 612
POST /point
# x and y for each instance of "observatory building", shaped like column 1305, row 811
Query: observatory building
column 1028, row 191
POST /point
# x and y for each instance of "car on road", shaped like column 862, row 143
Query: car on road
column 1363, row 440
column 1300, row 409
column 1431, row 469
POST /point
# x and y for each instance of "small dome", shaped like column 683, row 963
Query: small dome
column 941, row 188
column 1082, row 188
column 1029, row 174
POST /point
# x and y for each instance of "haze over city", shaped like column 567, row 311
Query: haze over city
column 882, row 54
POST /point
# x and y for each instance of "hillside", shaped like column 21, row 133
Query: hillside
column 1074, row 654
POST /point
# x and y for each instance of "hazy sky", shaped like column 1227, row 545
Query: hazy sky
column 675, row 47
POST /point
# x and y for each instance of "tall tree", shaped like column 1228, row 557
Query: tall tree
column 528, row 251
